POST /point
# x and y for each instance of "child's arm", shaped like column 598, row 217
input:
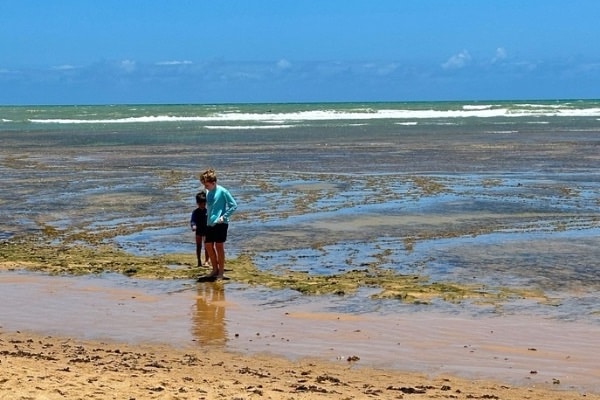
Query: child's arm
column 192, row 223
column 231, row 206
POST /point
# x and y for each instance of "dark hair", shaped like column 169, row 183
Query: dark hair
column 201, row 197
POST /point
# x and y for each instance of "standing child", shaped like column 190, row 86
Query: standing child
column 198, row 224
column 220, row 204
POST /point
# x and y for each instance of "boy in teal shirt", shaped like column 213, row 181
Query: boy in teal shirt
column 220, row 204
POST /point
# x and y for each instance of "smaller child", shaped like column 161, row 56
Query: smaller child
column 198, row 225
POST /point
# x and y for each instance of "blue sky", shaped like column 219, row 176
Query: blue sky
column 199, row 51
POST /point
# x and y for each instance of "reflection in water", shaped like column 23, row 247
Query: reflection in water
column 209, row 318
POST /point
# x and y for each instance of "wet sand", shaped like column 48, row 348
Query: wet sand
column 44, row 367
column 96, row 338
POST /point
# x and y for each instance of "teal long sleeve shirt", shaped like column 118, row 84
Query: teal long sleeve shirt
column 219, row 203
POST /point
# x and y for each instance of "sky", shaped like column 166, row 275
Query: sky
column 273, row 51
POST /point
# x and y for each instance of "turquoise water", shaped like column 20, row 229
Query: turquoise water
column 327, row 188
column 237, row 117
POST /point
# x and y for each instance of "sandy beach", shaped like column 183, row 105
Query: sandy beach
column 85, row 340
column 46, row 367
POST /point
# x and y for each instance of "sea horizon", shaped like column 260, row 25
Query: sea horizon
column 272, row 115
column 517, row 99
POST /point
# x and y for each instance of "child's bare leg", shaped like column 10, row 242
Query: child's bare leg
column 199, row 255
column 199, row 250
column 220, row 251
column 212, row 256
column 206, row 257
column 216, row 260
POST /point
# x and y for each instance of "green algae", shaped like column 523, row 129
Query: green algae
column 78, row 258
column 428, row 186
column 81, row 259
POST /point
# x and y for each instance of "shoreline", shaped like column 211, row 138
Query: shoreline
column 49, row 367
column 520, row 353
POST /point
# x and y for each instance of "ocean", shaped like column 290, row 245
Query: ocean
column 503, row 196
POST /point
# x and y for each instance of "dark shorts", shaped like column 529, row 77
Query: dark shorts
column 216, row 233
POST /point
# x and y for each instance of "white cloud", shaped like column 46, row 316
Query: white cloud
column 458, row 60
column 175, row 62
column 65, row 67
column 128, row 80
column 500, row 55
column 128, row 65
column 284, row 64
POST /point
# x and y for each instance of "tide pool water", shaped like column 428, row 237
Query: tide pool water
column 498, row 194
